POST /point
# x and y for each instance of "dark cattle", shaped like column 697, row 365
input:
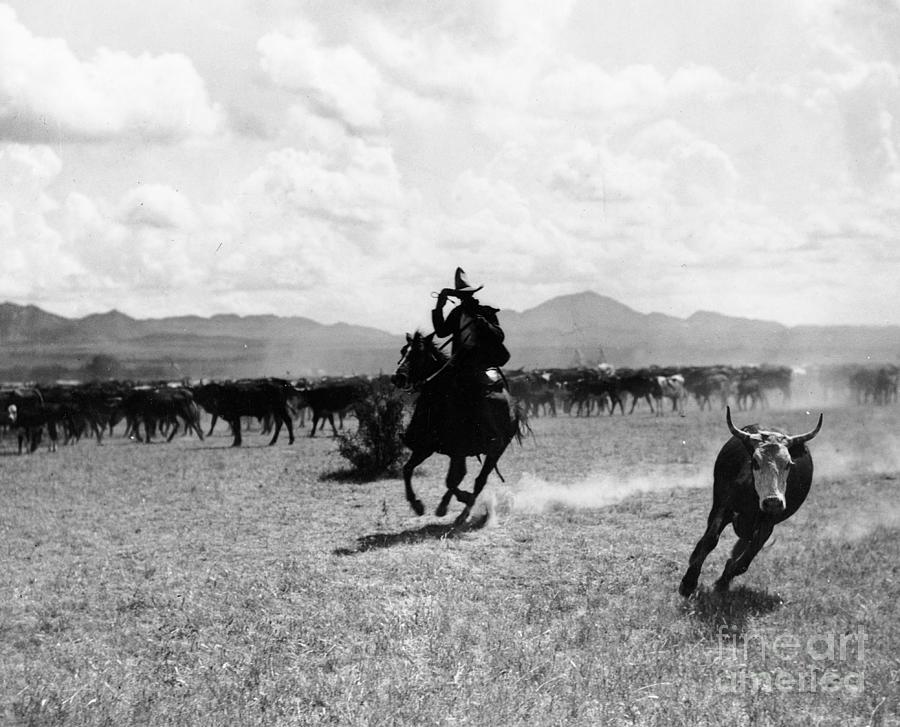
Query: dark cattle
column 26, row 412
column 292, row 399
column 706, row 384
column 864, row 384
column 329, row 399
column 260, row 399
column 593, row 390
column 885, row 390
column 158, row 408
column 774, row 378
column 535, row 390
column 761, row 478
column 748, row 392
column 80, row 410
column 640, row 386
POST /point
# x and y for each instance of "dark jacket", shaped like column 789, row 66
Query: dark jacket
column 477, row 341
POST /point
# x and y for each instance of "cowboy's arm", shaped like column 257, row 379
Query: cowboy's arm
column 443, row 327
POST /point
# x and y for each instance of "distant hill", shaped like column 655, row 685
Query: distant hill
column 584, row 328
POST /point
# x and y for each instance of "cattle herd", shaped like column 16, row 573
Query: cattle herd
column 147, row 410
column 587, row 391
column 143, row 411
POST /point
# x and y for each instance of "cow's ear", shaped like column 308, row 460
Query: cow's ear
column 408, row 338
column 429, row 338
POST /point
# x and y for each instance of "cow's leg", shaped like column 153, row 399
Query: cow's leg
column 212, row 424
column 236, row 431
column 315, row 422
column 415, row 459
column 174, row 429
column 743, row 553
column 277, row 430
column 288, row 423
column 331, row 419
column 715, row 524
column 455, row 475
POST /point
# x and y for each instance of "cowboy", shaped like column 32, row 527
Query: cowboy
column 477, row 345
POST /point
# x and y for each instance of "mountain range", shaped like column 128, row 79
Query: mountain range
column 584, row 328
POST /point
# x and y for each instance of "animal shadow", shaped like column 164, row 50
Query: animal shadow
column 411, row 536
column 726, row 614
column 350, row 476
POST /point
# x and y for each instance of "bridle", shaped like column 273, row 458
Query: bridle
column 403, row 364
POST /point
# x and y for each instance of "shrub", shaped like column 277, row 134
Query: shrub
column 376, row 447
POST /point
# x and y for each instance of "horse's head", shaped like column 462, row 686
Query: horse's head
column 419, row 359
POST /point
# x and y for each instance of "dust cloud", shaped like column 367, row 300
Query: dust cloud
column 858, row 462
column 532, row 494
column 876, row 453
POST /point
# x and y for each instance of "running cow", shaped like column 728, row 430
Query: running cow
column 761, row 478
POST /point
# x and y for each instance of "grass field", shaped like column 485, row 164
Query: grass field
column 197, row 584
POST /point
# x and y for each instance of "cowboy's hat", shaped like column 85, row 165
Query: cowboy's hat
column 462, row 284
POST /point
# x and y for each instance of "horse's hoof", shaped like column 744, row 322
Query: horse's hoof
column 686, row 588
column 462, row 517
column 418, row 507
column 721, row 586
column 441, row 509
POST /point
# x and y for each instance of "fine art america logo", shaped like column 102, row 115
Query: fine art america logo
column 823, row 663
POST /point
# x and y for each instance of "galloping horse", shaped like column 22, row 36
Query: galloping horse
column 452, row 421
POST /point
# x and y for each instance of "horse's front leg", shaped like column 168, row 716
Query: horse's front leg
column 455, row 475
column 490, row 462
column 415, row 459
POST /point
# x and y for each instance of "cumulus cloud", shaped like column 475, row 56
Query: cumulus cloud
column 48, row 93
column 414, row 137
column 35, row 255
column 337, row 81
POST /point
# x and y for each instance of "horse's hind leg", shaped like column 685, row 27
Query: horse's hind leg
column 490, row 462
column 415, row 459
column 455, row 475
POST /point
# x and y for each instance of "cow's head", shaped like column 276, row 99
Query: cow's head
column 770, row 461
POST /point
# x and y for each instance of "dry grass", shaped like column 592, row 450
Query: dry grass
column 196, row 584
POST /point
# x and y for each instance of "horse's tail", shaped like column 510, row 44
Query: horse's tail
column 521, row 427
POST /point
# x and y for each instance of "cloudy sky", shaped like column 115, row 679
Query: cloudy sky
column 338, row 159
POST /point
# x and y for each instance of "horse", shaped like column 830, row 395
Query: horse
column 450, row 418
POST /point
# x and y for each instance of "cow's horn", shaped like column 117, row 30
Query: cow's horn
column 739, row 433
column 809, row 435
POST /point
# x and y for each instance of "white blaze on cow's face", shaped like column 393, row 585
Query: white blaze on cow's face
column 770, row 463
column 12, row 412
